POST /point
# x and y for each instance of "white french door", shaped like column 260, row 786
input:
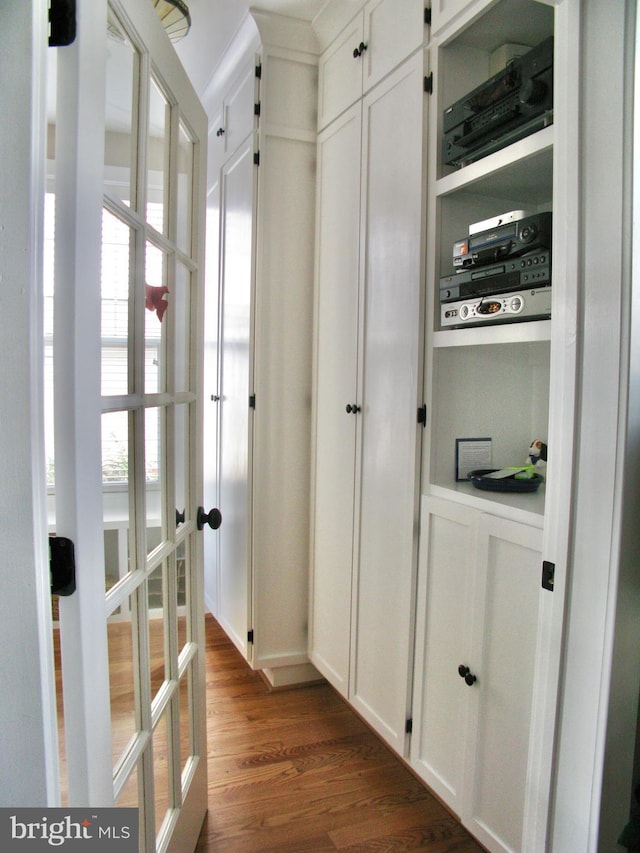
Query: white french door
column 130, row 150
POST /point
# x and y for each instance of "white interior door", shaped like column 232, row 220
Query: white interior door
column 386, row 512
column 336, row 389
column 129, row 183
column 236, row 275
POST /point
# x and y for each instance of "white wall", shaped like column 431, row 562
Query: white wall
column 27, row 709
column 596, row 730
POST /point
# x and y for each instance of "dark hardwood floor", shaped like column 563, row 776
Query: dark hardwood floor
column 297, row 771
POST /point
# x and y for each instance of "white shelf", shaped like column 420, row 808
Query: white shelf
column 522, row 168
column 525, row 507
column 506, row 333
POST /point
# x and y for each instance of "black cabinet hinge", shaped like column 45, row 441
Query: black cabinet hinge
column 252, row 401
column 428, row 84
column 62, row 23
column 256, row 158
column 62, row 565
column 259, row 72
column 408, row 727
column 250, row 636
column 256, row 109
column 548, row 575
column 427, row 16
column 422, row 415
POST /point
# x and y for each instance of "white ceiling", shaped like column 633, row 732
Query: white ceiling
column 214, row 24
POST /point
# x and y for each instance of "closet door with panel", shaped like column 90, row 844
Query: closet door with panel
column 367, row 381
column 390, row 384
column 236, row 289
column 336, row 387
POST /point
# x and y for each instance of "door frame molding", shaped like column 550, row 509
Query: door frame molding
column 28, row 709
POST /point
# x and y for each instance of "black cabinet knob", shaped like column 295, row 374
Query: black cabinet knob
column 358, row 51
column 352, row 408
column 465, row 672
column 220, row 131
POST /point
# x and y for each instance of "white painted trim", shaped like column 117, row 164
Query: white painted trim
column 284, row 31
column 247, row 39
column 585, row 716
column 291, row 676
column 39, row 490
column 28, row 724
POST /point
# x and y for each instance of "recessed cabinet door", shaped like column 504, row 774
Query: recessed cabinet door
column 238, row 110
column 393, row 29
column 336, row 388
column 509, row 618
column 340, row 73
column 386, row 513
column 447, row 577
column 235, row 364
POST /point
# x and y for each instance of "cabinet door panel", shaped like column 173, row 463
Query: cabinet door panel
column 447, row 574
column 507, row 635
column 443, row 11
column 338, row 216
column 238, row 107
column 393, row 29
column 390, row 357
column 340, row 74
column 235, row 342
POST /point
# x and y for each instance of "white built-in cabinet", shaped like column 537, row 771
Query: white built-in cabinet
column 492, row 566
column 373, row 43
column 462, row 642
column 367, row 387
column 265, row 144
column 482, row 615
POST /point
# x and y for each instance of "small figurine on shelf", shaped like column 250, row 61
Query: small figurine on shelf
column 538, row 456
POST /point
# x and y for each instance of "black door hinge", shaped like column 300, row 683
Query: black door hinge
column 256, row 109
column 548, row 575
column 422, row 415
column 428, row 84
column 252, row 401
column 250, row 636
column 62, row 565
column 427, row 17
column 408, row 728
column 259, row 72
column 62, row 23
column 256, row 158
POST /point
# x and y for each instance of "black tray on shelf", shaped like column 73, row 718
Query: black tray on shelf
column 505, row 484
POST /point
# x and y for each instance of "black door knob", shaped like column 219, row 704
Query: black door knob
column 213, row 518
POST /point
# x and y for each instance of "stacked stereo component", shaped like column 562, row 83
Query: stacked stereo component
column 501, row 272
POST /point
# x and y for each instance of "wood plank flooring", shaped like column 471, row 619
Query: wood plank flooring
column 297, row 771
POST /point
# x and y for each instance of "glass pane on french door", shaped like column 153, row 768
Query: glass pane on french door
column 149, row 391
